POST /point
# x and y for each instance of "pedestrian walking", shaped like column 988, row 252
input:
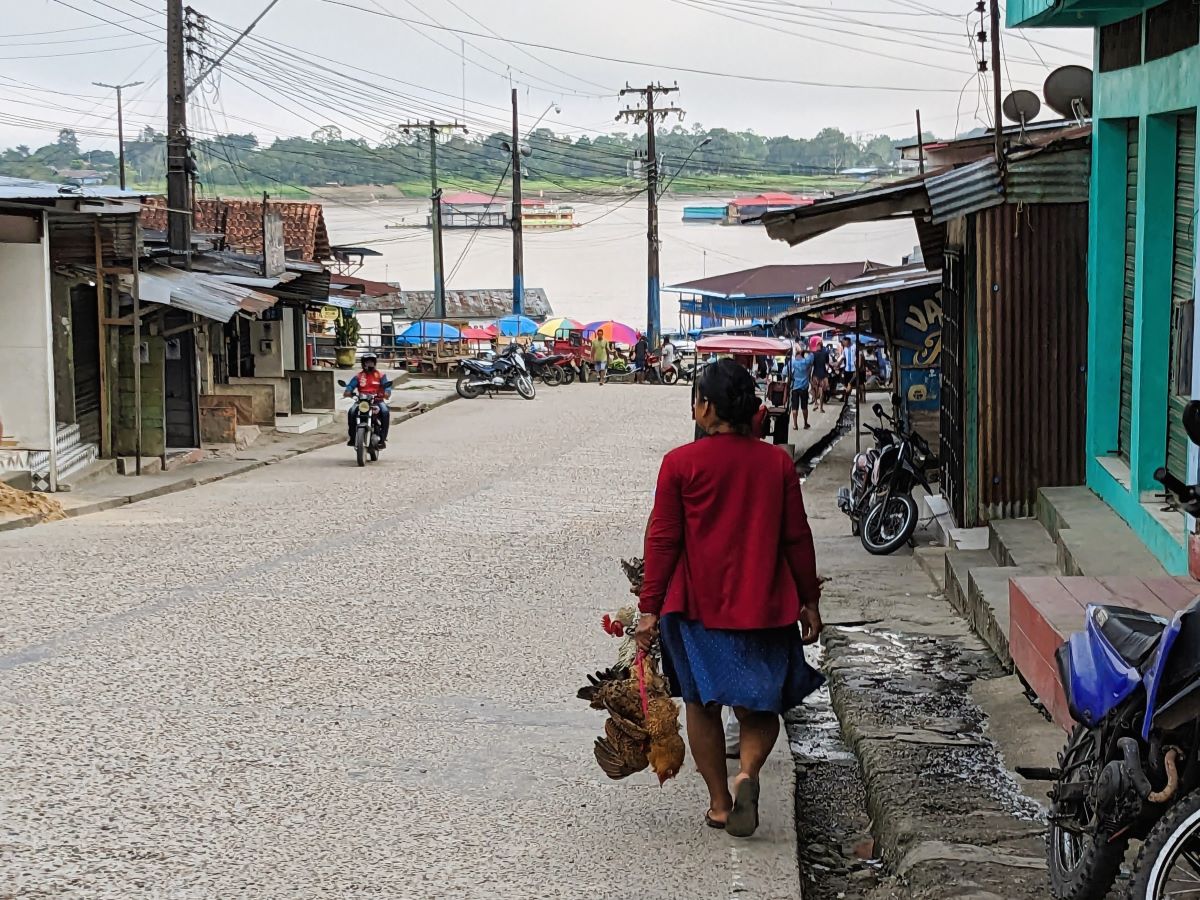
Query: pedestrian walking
column 666, row 358
column 639, row 359
column 799, row 376
column 819, row 383
column 600, row 356
column 849, row 364
column 731, row 588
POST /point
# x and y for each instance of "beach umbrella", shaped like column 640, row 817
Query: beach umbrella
column 551, row 328
column 476, row 334
column 513, row 326
column 616, row 332
column 427, row 333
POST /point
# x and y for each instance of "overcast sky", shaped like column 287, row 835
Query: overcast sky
column 51, row 53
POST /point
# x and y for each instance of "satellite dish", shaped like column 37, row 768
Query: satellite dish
column 1068, row 92
column 1022, row 107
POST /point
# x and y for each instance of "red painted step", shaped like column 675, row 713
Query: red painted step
column 1044, row 610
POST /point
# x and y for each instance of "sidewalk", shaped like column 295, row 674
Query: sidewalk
column 272, row 447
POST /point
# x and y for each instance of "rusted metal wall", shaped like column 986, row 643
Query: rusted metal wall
column 1031, row 270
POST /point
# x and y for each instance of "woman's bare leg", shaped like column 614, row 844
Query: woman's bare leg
column 760, row 730
column 706, row 736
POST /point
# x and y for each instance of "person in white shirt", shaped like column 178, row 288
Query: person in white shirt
column 666, row 358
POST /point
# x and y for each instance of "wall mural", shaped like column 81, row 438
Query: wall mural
column 919, row 340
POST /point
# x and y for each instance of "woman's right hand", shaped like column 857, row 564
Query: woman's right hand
column 646, row 631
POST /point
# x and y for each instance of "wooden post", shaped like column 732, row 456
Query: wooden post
column 137, row 372
column 101, row 338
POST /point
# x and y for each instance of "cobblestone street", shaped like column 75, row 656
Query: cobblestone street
column 314, row 680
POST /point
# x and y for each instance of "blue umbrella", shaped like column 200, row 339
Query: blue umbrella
column 427, row 332
column 515, row 326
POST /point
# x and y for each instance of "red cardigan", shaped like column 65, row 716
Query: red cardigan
column 728, row 542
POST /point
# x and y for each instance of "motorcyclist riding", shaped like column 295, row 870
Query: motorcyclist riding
column 371, row 382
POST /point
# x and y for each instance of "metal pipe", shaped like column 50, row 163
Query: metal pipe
column 1169, row 761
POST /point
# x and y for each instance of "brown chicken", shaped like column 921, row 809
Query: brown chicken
column 633, row 740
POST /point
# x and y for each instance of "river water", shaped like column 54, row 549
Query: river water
column 597, row 271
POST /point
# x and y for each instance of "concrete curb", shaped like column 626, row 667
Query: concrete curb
column 309, row 443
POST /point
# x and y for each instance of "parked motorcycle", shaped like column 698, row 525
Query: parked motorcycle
column 857, row 498
column 507, row 372
column 545, row 367
column 1131, row 767
column 367, row 435
column 566, row 365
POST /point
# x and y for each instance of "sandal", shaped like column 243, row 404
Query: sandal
column 711, row 822
column 743, row 818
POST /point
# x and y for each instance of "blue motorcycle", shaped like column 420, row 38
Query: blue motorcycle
column 1131, row 768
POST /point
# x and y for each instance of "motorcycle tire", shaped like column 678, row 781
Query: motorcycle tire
column 360, row 446
column 373, row 450
column 464, row 388
column 525, row 387
column 1165, row 843
column 670, row 376
column 548, row 378
column 878, row 544
column 1094, row 863
column 568, row 374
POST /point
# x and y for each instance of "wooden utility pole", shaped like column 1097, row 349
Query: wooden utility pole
column 518, row 248
column 996, row 99
column 120, row 124
column 179, row 195
column 435, row 217
column 920, row 146
column 651, row 116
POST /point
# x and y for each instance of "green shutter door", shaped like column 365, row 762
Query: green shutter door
column 1131, row 183
column 1181, row 296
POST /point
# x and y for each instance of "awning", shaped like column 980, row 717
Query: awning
column 205, row 295
column 869, row 287
column 900, row 199
column 742, row 343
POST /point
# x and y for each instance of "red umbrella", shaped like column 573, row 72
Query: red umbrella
column 477, row 334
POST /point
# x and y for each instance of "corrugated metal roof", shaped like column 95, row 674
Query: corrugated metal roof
column 476, row 304
column 204, row 295
column 866, row 288
column 29, row 189
column 1050, row 177
column 774, row 281
column 898, row 199
column 965, row 190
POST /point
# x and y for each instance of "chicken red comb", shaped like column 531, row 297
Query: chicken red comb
column 612, row 626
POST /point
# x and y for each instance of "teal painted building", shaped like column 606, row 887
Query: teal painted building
column 1142, row 251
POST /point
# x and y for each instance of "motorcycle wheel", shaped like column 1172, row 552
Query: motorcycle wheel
column 670, row 376
column 464, row 388
column 568, row 374
column 360, row 446
column 525, row 387
column 548, row 378
column 1082, row 867
column 373, row 449
column 889, row 525
column 1166, row 864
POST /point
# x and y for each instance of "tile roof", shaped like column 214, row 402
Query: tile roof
column 304, row 232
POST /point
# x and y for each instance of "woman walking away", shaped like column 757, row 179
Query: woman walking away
column 730, row 570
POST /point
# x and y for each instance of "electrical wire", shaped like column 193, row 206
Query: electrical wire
column 478, row 225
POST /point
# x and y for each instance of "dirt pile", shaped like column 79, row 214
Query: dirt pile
column 14, row 502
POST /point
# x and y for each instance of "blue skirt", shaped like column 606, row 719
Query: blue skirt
column 762, row 670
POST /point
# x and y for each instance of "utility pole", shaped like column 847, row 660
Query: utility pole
column 996, row 99
column 518, row 247
column 651, row 116
column 179, row 195
column 120, row 124
column 435, row 217
column 920, row 146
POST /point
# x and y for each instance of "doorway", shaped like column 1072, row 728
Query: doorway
column 85, row 356
column 179, row 376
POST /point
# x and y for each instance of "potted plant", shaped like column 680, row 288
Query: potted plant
column 345, row 337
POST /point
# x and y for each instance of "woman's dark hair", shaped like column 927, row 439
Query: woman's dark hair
column 731, row 390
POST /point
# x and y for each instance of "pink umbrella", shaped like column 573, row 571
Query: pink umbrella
column 615, row 332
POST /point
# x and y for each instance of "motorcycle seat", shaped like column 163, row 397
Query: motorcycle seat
column 1134, row 634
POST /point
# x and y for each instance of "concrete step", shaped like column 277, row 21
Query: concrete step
column 1021, row 542
column 178, row 458
column 299, row 424
column 958, row 569
column 1092, row 539
column 127, row 465
column 97, row 468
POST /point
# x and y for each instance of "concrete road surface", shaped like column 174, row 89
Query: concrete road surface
column 320, row 681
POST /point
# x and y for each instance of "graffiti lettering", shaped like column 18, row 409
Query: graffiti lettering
column 926, row 319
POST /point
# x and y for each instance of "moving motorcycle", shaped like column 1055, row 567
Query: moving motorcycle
column 1131, row 767
column 367, row 435
column 507, row 372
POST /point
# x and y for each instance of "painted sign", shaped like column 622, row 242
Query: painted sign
column 919, row 340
